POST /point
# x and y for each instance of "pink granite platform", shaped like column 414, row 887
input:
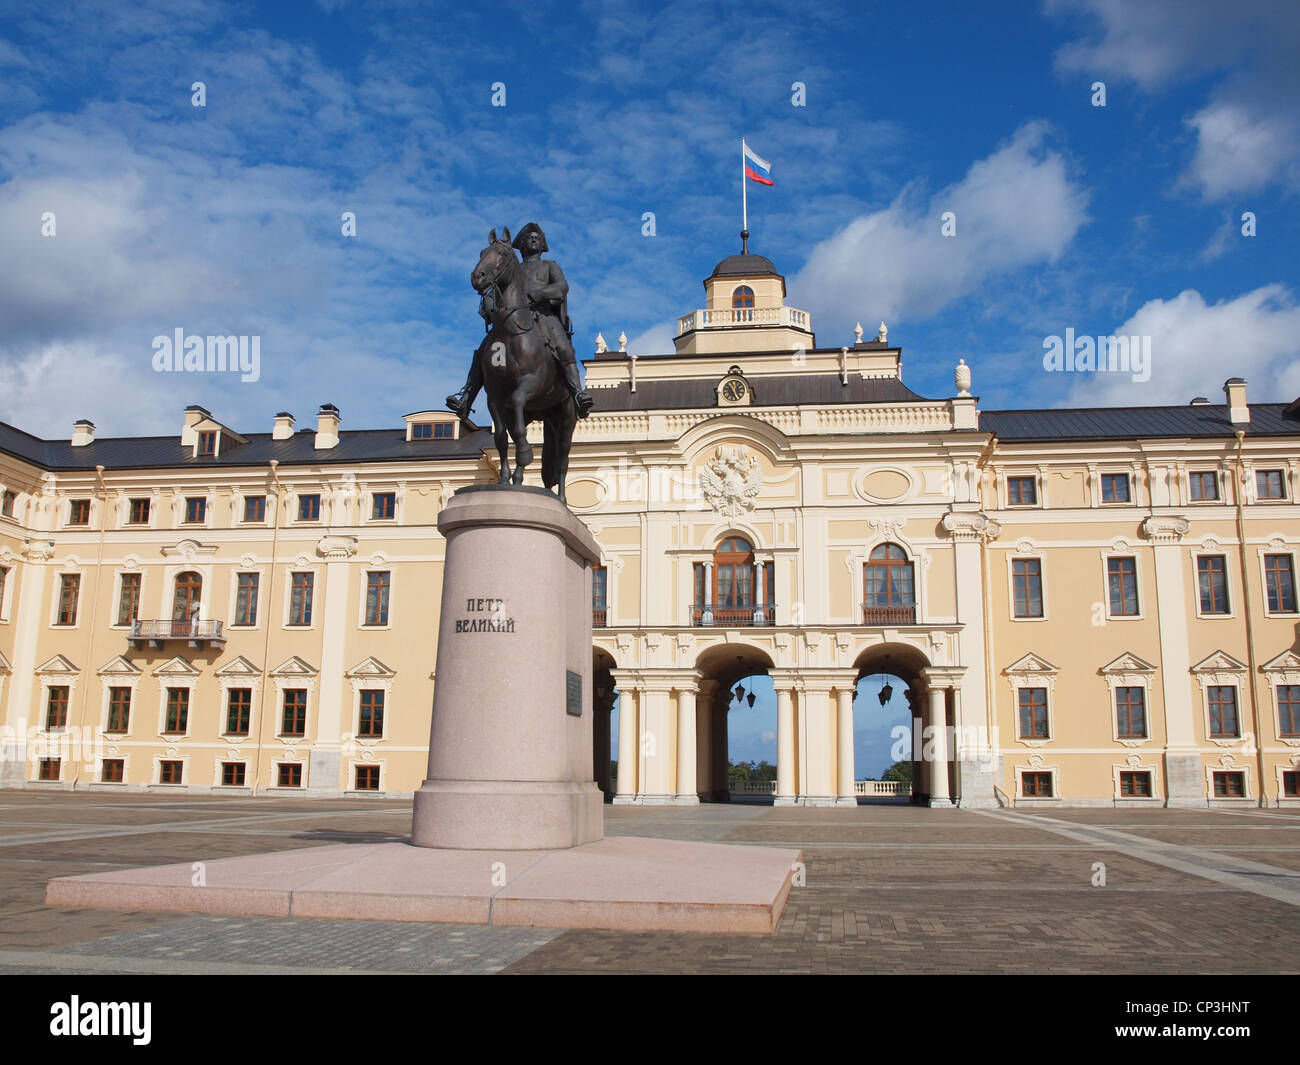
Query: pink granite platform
column 626, row 883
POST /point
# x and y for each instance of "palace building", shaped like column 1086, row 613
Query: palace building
column 1084, row 607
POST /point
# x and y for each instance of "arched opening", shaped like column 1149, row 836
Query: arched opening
column 889, row 737
column 604, row 725
column 185, row 602
column 733, row 589
column 888, row 587
column 736, row 749
column 742, row 302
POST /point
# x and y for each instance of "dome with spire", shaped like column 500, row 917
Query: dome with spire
column 746, row 264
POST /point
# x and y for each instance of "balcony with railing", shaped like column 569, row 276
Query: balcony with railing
column 733, row 317
column 706, row 615
column 155, row 633
column 889, row 615
column 599, row 617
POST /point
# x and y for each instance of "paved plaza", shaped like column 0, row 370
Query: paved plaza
column 889, row 889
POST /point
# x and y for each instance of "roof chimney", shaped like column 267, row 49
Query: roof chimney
column 1235, row 389
column 327, row 426
column 283, row 426
column 83, row 432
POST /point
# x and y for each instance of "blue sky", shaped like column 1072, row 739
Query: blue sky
column 226, row 218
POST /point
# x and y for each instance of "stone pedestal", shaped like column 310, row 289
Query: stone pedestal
column 510, row 748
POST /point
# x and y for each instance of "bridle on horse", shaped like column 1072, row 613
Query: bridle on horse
column 509, row 312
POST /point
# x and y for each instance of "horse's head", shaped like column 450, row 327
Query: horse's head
column 494, row 262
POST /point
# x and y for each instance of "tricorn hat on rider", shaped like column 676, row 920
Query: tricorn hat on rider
column 532, row 227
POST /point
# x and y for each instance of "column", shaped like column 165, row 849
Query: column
column 920, row 767
column 760, row 614
column 326, row 772
column 687, row 792
column 705, row 710
column 656, row 748
column 625, row 790
column 30, row 598
column 602, row 708
column 844, row 761
column 939, row 795
column 785, row 764
column 706, row 615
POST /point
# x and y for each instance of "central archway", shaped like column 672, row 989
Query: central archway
column 724, row 741
column 896, row 671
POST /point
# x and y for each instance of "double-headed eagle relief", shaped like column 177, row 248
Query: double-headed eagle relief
column 731, row 480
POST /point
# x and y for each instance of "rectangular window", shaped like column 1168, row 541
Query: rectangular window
column 1223, row 711
column 288, row 775
column 422, row 431
column 1135, row 784
column 7, row 504
column 367, row 778
column 1114, row 488
column 1229, row 785
column 1291, row 783
column 1205, row 486
column 208, row 442
column 1269, row 484
column 4, row 579
column 1212, row 583
column 1279, row 579
column 119, row 710
column 139, row 514
column 246, row 598
column 170, row 772
column 372, row 713
column 1027, row 583
column 700, row 597
column 383, row 506
column 255, row 508
column 196, row 510
column 232, row 774
column 178, row 710
column 79, row 512
column 56, row 708
column 444, row 431
column 239, row 709
column 1121, row 576
column 49, row 769
column 69, row 588
column 1022, row 492
column 1033, row 713
column 1288, row 710
column 128, row 602
column 1130, row 713
column 377, row 588
column 309, row 508
column 300, row 599
column 112, row 771
column 293, row 722
column 599, row 582
column 1037, row 785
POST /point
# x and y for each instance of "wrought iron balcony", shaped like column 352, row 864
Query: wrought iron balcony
column 889, row 615
column 599, row 616
column 156, row 633
column 706, row 615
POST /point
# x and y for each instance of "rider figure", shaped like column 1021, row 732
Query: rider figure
column 547, row 290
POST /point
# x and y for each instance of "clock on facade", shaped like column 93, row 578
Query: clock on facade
column 734, row 390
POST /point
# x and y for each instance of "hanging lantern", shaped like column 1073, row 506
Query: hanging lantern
column 750, row 698
column 739, row 692
column 886, row 693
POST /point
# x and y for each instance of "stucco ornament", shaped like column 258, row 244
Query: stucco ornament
column 730, row 482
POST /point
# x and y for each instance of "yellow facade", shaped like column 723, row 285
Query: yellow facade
column 1080, row 618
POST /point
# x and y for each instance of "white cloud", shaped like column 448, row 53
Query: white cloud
column 1014, row 208
column 1195, row 346
column 1239, row 149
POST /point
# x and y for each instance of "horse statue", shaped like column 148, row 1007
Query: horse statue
column 521, row 376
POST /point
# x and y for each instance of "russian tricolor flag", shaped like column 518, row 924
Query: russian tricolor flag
column 756, row 167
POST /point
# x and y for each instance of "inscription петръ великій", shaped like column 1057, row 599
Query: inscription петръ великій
column 495, row 622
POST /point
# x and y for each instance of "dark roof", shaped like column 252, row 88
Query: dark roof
column 1132, row 423
column 143, row 452
column 746, row 264
column 766, row 392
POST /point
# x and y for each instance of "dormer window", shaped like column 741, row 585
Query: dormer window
column 433, row 431
column 207, row 442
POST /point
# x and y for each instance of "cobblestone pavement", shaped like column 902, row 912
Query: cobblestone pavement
column 890, row 889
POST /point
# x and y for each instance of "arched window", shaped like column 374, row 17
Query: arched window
column 889, row 588
column 185, row 604
column 726, row 591
column 742, row 302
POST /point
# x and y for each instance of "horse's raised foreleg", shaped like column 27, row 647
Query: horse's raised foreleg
column 519, row 431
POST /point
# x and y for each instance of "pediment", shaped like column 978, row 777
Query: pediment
column 1286, row 662
column 293, row 667
column 371, row 667
column 177, row 667
column 58, row 664
column 119, row 667
column 239, row 667
column 1128, row 663
column 1219, row 662
column 1032, row 663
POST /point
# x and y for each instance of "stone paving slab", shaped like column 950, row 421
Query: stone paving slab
column 626, row 883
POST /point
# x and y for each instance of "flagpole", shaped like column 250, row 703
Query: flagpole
column 744, row 201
